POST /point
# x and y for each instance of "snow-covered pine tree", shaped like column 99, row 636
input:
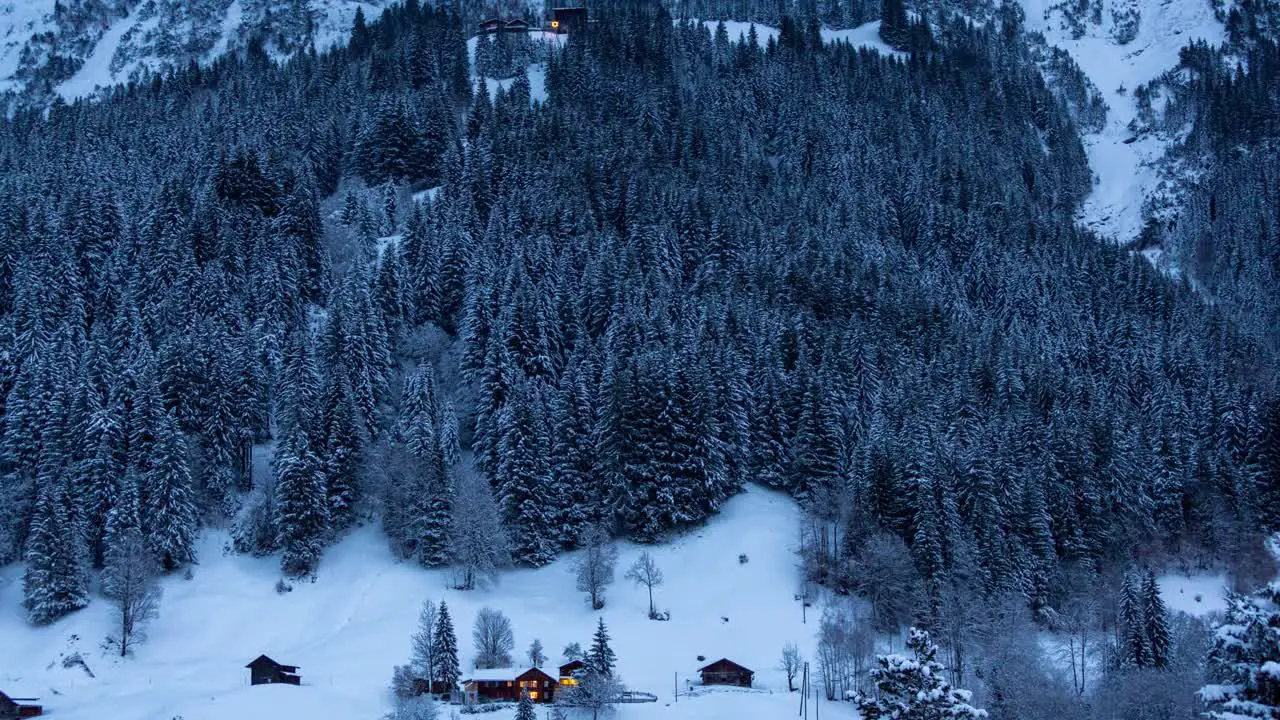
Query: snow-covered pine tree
column 56, row 583
column 600, row 658
column 169, row 513
column 1244, row 660
column 521, row 474
column 445, row 649
column 524, row 709
column 1134, row 650
column 914, row 686
column 343, row 444
column 302, row 504
column 1156, row 619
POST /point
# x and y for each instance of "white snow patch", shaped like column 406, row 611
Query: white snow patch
column 348, row 628
column 428, row 194
column 866, row 35
column 1123, row 166
column 95, row 73
column 19, row 20
column 1197, row 595
column 740, row 31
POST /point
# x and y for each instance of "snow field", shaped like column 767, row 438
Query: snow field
column 348, row 628
column 1124, row 167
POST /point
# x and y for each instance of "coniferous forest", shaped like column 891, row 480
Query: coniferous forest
column 698, row 263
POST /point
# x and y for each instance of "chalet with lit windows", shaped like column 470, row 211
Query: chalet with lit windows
column 570, row 672
column 265, row 671
column 726, row 672
column 508, row 685
column 12, row 708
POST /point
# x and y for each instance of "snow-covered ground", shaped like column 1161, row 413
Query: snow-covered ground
column 1197, row 595
column 1124, row 166
column 866, row 35
column 19, row 20
column 348, row 628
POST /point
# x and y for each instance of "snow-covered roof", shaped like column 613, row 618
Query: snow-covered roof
column 496, row 674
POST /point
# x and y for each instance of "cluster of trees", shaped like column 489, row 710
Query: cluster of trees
column 701, row 262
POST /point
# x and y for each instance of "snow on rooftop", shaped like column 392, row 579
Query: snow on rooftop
column 494, row 674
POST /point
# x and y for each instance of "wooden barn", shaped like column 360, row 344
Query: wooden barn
column 726, row 672
column 12, row 708
column 570, row 671
column 490, row 26
column 516, row 26
column 265, row 671
column 569, row 20
column 508, row 685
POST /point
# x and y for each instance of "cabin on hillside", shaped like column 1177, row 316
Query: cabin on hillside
column 508, row 685
column 570, row 671
column 516, row 26
column 12, row 708
column 489, row 27
column 726, row 672
column 568, row 20
column 265, row 671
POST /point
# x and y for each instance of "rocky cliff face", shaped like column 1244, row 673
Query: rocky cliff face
column 69, row 48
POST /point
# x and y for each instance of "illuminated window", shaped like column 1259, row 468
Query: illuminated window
column 555, row 24
column 533, row 695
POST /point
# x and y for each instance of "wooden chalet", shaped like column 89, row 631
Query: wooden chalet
column 570, row 671
column 265, row 671
column 568, row 20
column 12, row 708
column 516, row 26
column 726, row 672
column 508, row 685
column 490, row 26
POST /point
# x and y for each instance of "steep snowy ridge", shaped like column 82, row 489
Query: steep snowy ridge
column 77, row 52
column 1121, row 44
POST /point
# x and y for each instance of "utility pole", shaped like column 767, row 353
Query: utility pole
column 676, row 686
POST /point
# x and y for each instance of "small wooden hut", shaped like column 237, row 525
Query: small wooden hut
column 13, row 708
column 726, row 672
column 265, row 671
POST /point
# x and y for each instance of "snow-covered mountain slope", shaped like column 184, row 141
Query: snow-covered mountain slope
column 348, row 629
column 73, row 48
column 1121, row 44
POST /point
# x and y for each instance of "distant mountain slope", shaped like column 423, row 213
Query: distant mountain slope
column 74, row 47
column 1120, row 45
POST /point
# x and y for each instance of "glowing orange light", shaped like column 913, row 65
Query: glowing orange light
column 555, row 24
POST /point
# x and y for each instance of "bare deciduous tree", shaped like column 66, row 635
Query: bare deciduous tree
column 647, row 573
column 493, row 639
column 595, row 566
column 536, row 654
column 423, row 659
column 478, row 542
column 129, row 580
column 790, row 664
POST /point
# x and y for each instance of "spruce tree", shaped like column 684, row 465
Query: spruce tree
column 55, row 583
column 1134, row 650
column 1242, row 659
column 169, row 513
column 302, row 505
column 445, row 649
column 524, row 709
column 914, row 686
column 1157, row 623
column 600, row 659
